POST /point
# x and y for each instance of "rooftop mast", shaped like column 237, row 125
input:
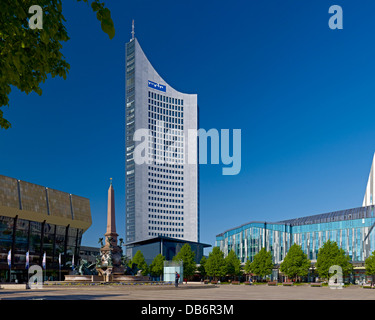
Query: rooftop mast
column 133, row 30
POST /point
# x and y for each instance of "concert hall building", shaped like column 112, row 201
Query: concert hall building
column 39, row 220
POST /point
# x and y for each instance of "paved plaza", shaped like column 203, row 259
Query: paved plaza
column 189, row 292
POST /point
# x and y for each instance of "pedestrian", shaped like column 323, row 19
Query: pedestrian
column 177, row 278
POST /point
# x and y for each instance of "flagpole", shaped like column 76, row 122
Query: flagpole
column 60, row 266
column 10, row 264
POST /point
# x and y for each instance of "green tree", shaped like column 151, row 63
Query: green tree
column 370, row 266
column 202, row 267
column 157, row 265
column 232, row 264
column 187, row 256
column 329, row 255
column 295, row 264
column 261, row 265
column 139, row 259
column 28, row 56
column 215, row 264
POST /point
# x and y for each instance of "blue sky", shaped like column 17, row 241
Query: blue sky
column 302, row 94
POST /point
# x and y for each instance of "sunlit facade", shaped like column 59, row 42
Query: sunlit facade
column 352, row 230
column 161, row 193
column 39, row 220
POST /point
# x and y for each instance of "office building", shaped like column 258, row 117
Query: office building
column 161, row 193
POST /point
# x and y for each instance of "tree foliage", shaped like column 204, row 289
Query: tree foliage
column 139, row 259
column 232, row 264
column 370, row 265
column 157, row 265
column 28, row 56
column 187, row 256
column 215, row 264
column 202, row 267
column 261, row 265
column 329, row 255
column 295, row 264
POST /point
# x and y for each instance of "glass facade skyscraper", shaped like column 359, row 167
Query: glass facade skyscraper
column 162, row 192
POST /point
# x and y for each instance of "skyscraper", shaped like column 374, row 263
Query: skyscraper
column 162, row 192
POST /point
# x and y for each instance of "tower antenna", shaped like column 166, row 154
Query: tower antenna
column 133, row 30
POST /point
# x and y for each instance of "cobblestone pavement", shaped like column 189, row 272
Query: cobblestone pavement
column 189, row 292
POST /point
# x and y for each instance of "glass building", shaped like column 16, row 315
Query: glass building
column 352, row 230
column 39, row 220
column 161, row 192
column 168, row 247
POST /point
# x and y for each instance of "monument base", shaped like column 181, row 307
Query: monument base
column 82, row 278
column 128, row 278
column 107, row 278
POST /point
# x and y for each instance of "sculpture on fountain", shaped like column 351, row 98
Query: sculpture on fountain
column 110, row 253
column 111, row 264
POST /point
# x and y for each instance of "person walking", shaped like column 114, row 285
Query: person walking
column 177, row 278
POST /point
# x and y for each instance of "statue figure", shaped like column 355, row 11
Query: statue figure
column 101, row 242
column 98, row 260
column 110, row 240
column 86, row 268
column 133, row 270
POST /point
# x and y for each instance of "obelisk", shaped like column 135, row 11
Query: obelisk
column 111, row 219
column 110, row 252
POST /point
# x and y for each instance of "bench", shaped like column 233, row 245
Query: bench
column 315, row 284
column 14, row 286
column 288, row 284
column 235, row 282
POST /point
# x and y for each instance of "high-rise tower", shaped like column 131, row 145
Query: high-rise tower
column 162, row 193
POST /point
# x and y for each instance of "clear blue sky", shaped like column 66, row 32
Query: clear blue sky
column 302, row 94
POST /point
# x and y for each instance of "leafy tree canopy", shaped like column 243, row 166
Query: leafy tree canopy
column 139, row 259
column 295, row 263
column 202, row 267
column 232, row 264
column 370, row 265
column 215, row 264
column 28, row 56
column 329, row 255
column 157, row 265
column 262, row 264
column 187, row 256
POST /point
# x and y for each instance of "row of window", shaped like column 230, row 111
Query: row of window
column 166, row 109
column 165, row 199
column 152, row 125
column 164, row 211
column 156, row 216
column 163, row 98
column 156, row 234
column 165, row 170
column 172, row 183
column 166, row 223
column 166, row 229
column 159, row 117
column 163, row 205
column 165, row 176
